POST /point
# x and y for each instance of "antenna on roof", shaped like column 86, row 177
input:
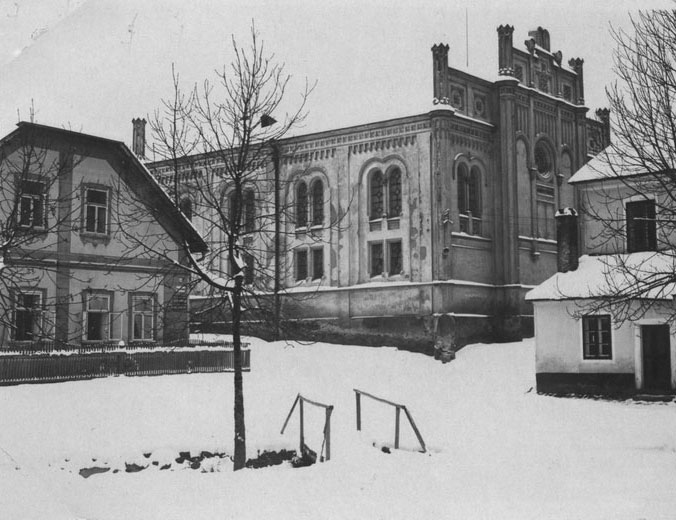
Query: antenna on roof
column 467, row 38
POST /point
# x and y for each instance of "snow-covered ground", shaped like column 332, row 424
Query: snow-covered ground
column 496, row 449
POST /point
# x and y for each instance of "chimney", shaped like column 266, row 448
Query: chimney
column 440, row 70
column 566, row 240
column 505, row 50
column 138, row 138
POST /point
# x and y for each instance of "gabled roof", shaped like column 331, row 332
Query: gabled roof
column 610, row 163
column 644, row 275
column 134, row 174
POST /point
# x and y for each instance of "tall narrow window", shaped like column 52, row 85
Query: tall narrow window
column 32, row 205
column 394, row 193
column 469, row 199
column 249, row 210
column 143, row 317
column 97, row 317
column 317, row 202
column 377, row 260
column 301, row 204
column 641, row 226
column 596, row 338
column 376, row 194
column 249, row 268
column 394, row 258
column 96, row 211
column 317, row 263
column 27, row 316
column 301, row 264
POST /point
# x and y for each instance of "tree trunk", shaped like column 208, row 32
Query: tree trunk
column 239, row 459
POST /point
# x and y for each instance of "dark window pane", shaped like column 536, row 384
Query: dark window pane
column 317, row 263
column 249, row 211
column 641, row 226
column 301, row 265
column 317, row 202
column 463, row 189
column 101, row 220
column 97, row 197
column 186, row 208
column 90, row 224
column 395, row 258
column 25, row 211
column 394, row 187
column 376, row 195
column 95, row 326
column 474, row 193
column 377, row 264
column 249, row 269
column 301, row 205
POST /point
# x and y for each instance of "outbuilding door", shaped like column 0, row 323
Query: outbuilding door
column 656, row 358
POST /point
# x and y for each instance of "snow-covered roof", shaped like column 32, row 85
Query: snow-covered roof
column 645, row 275
column 610, row 163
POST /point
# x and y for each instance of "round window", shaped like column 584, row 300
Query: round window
column 543, row 159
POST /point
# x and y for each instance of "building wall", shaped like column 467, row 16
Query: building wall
column 67, row 263
column 559, row 361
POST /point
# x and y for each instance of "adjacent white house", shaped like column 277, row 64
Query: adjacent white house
column 602, row 323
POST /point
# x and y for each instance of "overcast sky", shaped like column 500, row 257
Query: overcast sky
column 93, row 65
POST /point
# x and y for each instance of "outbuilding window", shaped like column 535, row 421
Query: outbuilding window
column 596, row 337
column 641, row 226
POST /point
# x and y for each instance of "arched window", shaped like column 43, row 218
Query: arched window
column 394, row 193
column 469, row 199
column 376, row 195
column 317, row 194
column 544, row 161
column 301, row 204
column 185, row 205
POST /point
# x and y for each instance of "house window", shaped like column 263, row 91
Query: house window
column 301, row 264
column 32, row 205
column 545, row 203
column 301, row 204
column 543, row 159
column 96, row 211
column 596, row 338
column 317, row 263
column 469, row 199
column 97, row 317
column 143, row 317
column 641, row 226
column 317, row 194
column 385, row 194
column 27, row 316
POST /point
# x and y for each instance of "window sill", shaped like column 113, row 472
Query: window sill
column 95, row 238
column 462, row 234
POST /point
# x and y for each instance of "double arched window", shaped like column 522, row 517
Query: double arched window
column 385, row 194
column 469, row 199
column 310, row 203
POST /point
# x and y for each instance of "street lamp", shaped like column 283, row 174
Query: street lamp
column 266, row 121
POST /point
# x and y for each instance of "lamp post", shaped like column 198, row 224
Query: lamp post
column 266, row 121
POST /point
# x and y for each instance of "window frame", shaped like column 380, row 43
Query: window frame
column 107, row 314
column 144, row 314
column 469, row 199
column 648, row 237
column 36, row 313
column 600, row 328
column 309, row 254
column 85, row 205
column 40, row 197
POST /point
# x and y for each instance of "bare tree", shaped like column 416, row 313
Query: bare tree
column 220, row 145
column 634, row 209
